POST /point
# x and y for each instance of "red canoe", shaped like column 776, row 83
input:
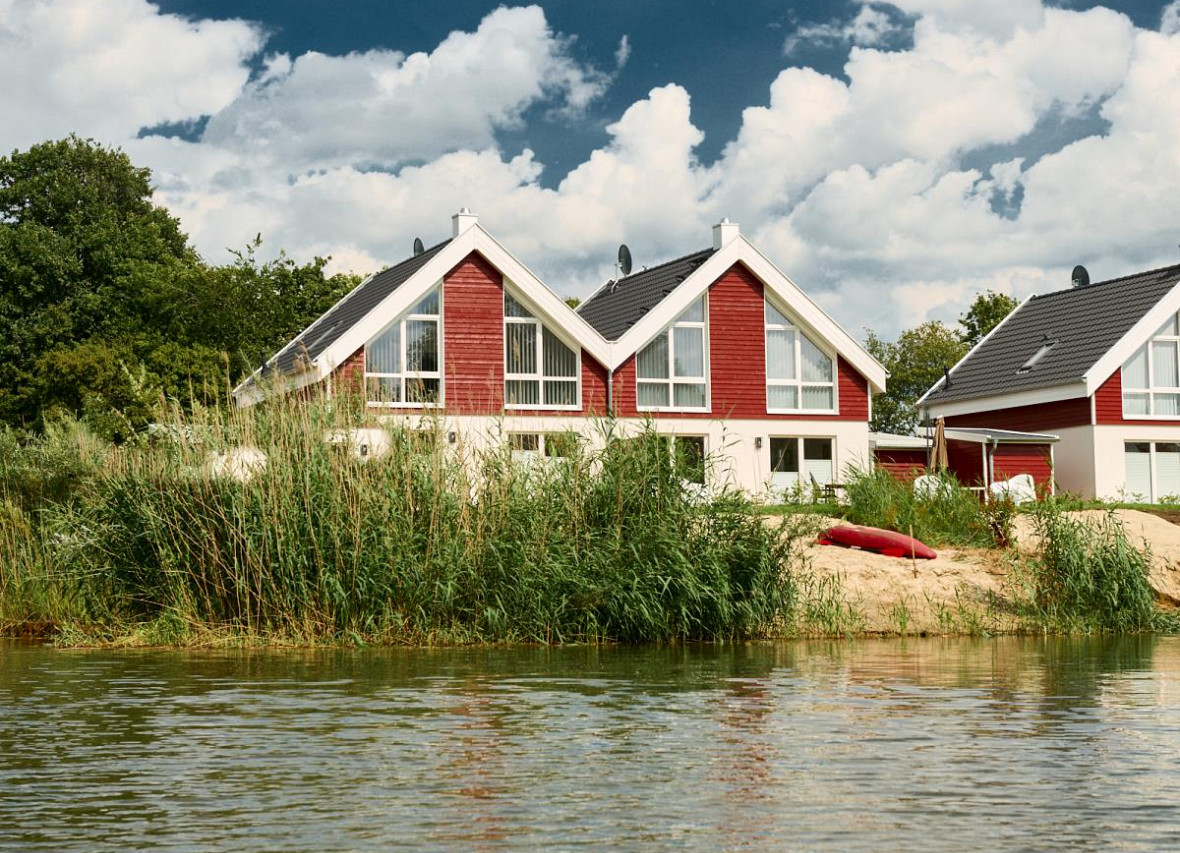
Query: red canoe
column 885, row 542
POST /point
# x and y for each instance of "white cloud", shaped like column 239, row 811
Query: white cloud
column 857, row 187
column 110, row 69
column 384, row 108
column 623, row 52
column 870, row 26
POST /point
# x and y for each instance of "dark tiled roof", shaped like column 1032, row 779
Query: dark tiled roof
column 617, row 306
column 1083, row 322
column 349, row 311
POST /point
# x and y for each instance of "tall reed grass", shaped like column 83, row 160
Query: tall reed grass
column 432, row 542
column 952, row 515
column 1091, row 577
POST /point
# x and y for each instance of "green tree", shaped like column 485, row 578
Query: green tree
column 985, row 314
column 104, row 306
column 915, row 361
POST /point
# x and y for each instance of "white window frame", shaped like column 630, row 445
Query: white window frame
column 1152, row 472
column 1152, row 389
column 798, row 383
column 799, row 451
column 539, row 376
column 406, row 374
column 673, row 380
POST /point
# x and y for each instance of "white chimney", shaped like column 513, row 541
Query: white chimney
column 724, row 232
column 461, row 221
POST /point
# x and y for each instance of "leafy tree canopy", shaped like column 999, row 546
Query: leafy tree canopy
column 985, row 314
column 104, row 306
column 916, row 360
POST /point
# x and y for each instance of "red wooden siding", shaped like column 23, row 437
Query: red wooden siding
column 965, row 459
column 1108, row 405
column 1108, row 400
column 737, row 362
column 1008, row 460
column 473, row 338
column 1043, row 417
column 904, row 464
column 349, row 377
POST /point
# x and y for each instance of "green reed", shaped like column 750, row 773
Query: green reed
column 952, row 515
column 431, row 542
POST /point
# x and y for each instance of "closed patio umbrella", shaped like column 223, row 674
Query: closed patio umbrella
column 938, row 456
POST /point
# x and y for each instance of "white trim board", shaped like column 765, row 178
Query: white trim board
column 740, row 250
column 1006, row 401
column 1147, row 325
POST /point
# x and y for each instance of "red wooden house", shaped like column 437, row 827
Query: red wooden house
column 719, row 349
column 1096, row 364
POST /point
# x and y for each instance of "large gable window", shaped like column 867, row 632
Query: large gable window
column 540, row 371
column 402, row 362
column 670, row 371
column 1151, row 377
column 799, row 375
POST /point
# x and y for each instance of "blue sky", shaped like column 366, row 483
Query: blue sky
column 894, row 159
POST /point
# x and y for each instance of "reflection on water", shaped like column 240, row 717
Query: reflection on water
column 877, row 745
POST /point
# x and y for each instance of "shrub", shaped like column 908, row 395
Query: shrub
column 952, row 515
column 429, row 542
column 1090, row 576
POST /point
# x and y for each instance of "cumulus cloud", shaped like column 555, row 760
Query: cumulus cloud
column 110, row 69
column 910, row 184
column 623, row 51
column 383, row 108
column 871, row 26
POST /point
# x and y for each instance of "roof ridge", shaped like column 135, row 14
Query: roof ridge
column 1141, row 274
column 663, row 264
column 405, row 261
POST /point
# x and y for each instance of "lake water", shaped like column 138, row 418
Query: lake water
column 955, row 744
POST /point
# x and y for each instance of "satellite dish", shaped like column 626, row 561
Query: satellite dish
column 1080, row 277
column 418, row 247
column 624, row 260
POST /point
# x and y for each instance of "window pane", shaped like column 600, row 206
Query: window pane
column 652, row 362
column 689, row 458
column 421, row 346
column 429, row 305
column 1137, row 460
column 1135, row 370
column 1168, row 328
column 818, row 398
column 1135, row 404
column 421, row 390
column 385, row 352
column 522, row 392
column 521, row 342
column 689, row 396
column 561, row 444
column 688, row 347
column 817, row 448
column 524, row 441
column 784, row 455
column 652, row 393
column 560, row 360
column 1164, row 366
column 694, row 313
column 1166, row 404
column 1167, row 470
column 817, row 367
column 782, row 397
column 817, row 460
column 780, row 355
column 385, row 389
column 512, row 308
column 774, row 317
column 561, row 393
